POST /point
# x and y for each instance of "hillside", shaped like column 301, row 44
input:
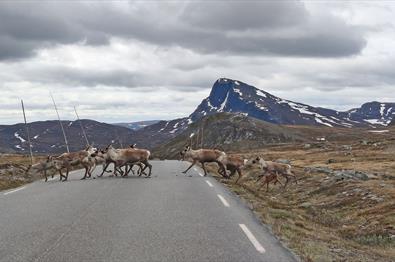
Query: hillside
column 46, row 136
column 228, row 132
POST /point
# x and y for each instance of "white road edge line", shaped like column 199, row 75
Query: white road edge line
column 252, row 238
column 223, row 200
column 15, row 190
column 209, row 183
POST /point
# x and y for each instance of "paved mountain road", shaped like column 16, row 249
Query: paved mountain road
column 169, row 217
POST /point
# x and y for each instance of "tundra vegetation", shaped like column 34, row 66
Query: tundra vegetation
column 341, row 209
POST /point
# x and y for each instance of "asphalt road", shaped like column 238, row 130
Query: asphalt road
column 169, row 217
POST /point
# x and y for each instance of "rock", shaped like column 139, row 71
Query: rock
column 330, row 161
column 319, row 169
column 306, row 205
column 351, row 174
column 364, row 142
column 284, row 161
column 307, row 146
column 346, row 147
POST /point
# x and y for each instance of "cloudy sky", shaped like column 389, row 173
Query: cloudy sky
column 126, row 61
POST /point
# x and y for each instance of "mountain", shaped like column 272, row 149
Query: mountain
column 234, row 96
column 137, row 125
column 47, row 137
column 229, row 131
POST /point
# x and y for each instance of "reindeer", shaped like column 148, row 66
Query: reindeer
column 274, row 167
column 141, row 166
column 204, row 156
column 41, row 167
column 67, row 160
column 102, row 158
column 122, row 157
column 269, row 178
column 234, row 164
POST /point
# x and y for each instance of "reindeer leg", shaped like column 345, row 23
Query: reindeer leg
column 67, row 174
column 223, row 168
column 239, row 173
column 261, row 176
column 45, row 174
column 294, row 175
column 131, row 169
column 262, row 184
column 277, row 180
column 86, row 172
column 193, row 163
column 140, row 171
column 60, row 175
column 104, row 169
column 204, row 168
column 149, row 166
column 91, row 169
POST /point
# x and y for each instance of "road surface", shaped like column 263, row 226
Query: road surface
column 169, row 217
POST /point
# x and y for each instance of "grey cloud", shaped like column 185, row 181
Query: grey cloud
column 240, row 28
column 243, row 15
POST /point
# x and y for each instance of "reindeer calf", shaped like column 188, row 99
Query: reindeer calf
column 275, row 168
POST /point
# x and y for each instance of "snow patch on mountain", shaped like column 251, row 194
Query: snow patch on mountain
column 19, row 137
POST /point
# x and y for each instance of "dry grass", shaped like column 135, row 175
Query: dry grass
column 10, row 180
column 323, row 219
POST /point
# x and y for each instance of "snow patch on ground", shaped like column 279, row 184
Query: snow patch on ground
column 260, row 93
column 221, row 108
column 163, row 128
column 210, row 105
column 375, row 121
column 378, row 131
column 19, row 137
column 239, row 92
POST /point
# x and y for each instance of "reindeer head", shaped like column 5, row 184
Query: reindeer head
column 184, row 151
column 109, row 147
column 256, row 160
column 133, row 146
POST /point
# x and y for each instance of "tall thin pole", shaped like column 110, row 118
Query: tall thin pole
column 82, row 128
column 202, row 136
column 27, row 133
column 61, row 125
column 119, row 139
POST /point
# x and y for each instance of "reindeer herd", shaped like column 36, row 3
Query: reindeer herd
column 91, row 157
column 270, row 171
column 125, row 159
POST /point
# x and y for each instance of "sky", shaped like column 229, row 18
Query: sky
column 120, row 61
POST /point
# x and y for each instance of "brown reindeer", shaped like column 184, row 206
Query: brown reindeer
column 42, row 166
column 204, row 156
column 266, row 179
column 101, row 157
column 234, row 164
column 129, row 156
column 284, row 170
column 67, row 160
